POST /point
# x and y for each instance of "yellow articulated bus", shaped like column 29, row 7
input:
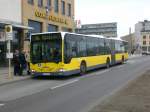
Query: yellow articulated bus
column 63, row 54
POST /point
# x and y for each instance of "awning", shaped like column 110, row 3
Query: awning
column 19, row 26
column 22, row 27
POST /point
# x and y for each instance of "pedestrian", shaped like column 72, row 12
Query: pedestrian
column 132, row 51
column 23, row 63
column 16, row 63
column 27, row 57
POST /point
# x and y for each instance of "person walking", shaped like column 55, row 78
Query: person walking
column 27, row 57
column 16, row 63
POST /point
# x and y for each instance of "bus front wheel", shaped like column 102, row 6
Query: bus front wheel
column 83, row 68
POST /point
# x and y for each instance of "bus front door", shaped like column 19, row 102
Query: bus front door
column 113, row 59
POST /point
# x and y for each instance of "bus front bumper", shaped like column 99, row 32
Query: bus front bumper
column 65, row 73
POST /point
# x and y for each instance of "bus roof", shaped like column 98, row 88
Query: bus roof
column 64, row 33
column 44, row 33
column 112, row 38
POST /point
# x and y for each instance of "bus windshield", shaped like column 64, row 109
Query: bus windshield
column 46, row 48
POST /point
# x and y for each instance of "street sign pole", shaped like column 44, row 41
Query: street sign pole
column 9, row 37
column 9, row 59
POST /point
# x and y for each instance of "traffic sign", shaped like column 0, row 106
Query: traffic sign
column 8, row 28
column 9, row 32
column 9, row 36
column 9, row 55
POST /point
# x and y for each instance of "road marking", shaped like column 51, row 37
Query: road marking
column 2, row 105
column 67, row 83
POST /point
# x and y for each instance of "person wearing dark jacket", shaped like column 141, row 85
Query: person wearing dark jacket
column 22, row 62
column 27, row 56
column 16, row 63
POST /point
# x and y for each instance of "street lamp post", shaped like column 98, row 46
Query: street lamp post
column 131, row 45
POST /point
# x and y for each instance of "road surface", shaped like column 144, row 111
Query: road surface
column 74, row 94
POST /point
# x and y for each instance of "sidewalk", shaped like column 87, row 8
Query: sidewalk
column 5, row 79
column 135, row 97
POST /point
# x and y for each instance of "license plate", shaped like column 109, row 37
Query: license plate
column 46, row 74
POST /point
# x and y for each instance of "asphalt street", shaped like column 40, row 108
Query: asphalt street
column 74, row 94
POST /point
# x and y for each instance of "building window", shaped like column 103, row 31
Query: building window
column 37, row 26
column 31, row 2
column 144, row 37
column 63, row 7
column 49, row 3
column 52, row 28
column 69, row 9
column 144, row 42
column 40, row 3
column 144, row 48
column 56, row 6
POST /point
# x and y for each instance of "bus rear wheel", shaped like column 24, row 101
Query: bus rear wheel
column 82, row 68
column 107, row 63
column 122, row 61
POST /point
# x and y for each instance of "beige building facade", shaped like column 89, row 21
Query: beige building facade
column 142, row 34
column 145, row 42
column 47, row 16
column 49, row 12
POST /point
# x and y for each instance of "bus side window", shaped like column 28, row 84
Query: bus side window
column 74, row 51
column 68, row 49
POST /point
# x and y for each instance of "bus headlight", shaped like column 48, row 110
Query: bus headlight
column 32, row 71
column 61, row 70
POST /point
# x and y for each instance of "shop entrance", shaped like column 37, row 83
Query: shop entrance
column 16, row 43
column 3, row 54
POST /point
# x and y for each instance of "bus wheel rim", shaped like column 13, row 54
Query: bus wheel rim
column 83, row 68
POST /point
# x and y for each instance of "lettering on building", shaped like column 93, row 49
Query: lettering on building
column 50, row 17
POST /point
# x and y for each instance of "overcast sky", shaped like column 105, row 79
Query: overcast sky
column 125, row 12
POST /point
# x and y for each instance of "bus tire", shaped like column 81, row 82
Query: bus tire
column 108, row 63
column 83, row 68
